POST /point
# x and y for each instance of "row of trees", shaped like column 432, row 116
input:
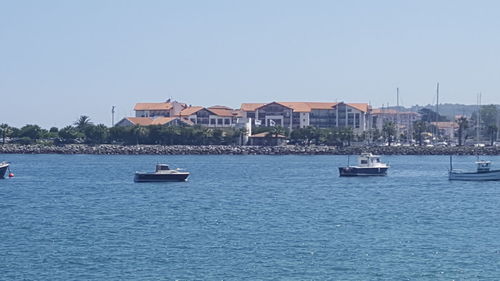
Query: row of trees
column 84, row 131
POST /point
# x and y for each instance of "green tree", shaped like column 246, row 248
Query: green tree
column 82, row 122
column 419, row 128
column 489, row 118
column 33, row 132
column 492, row 130
column 389, row 131
column 5, row 131
column 96, row 134
column 428, row 115
column 140, row 133
column 69, row 134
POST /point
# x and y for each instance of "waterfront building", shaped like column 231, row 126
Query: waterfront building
column 294, row 115
column 215, row 116
column 403, row 120
column 446, row 129
column 164, row 109
column 147, row 121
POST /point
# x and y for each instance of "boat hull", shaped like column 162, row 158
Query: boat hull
column 475, row 176
column 153, row 177
column 362, row 172
column 3, row 170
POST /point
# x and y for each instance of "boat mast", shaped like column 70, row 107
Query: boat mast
column 397, row 114
column 112, row 116
column 478, row 117
column 437, row 110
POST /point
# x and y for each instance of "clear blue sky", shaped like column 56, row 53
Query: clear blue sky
column 63, row 59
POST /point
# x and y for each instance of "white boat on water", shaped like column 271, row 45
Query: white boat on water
column 4, row 166
column 368, row 165
column 482, row 173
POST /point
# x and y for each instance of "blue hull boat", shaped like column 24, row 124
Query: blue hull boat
column 162, row 174
column 482, row 173
column 368, row 165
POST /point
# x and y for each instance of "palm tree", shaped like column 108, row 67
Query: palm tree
column 206, row 133
column 389, row 130
column 82, row 122
column 463, row 124
column 419, row 126
column 140, row 132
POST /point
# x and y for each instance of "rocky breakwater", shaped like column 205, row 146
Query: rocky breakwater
column 243, row 150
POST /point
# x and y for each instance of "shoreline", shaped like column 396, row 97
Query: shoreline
column 108, row 149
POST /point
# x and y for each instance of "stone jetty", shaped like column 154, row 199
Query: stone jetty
column 242, row 150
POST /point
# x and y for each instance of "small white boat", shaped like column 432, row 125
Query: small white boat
column 368, row 165
column 482, row 173
column 4, row 166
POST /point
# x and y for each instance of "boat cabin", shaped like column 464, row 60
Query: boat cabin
column 483, row 166
column 369, row 160
column 162, row 167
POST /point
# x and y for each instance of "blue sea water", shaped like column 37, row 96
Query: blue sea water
column 81, row 217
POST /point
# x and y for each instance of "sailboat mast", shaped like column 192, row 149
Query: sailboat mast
column 397, row 114
column 437, row 109
column 478, row 117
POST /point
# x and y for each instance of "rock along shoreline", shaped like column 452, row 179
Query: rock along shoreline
column 242, row 150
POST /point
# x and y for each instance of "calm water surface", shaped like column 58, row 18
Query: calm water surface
column 81, row 217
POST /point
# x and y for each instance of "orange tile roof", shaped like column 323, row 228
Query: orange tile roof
column 322, row 105
column 251, row 106
column 221, row 112
column 360, row 106
column 153, row 106
column 190, row 110
column 166, row 120
column 162, row 120
column 296, row 106
column 143, row 121
column 308, row 106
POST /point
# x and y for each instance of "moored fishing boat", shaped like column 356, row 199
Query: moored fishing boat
column 483, row 172
column 4, row 166
column 368, row 165
column 162, row 173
